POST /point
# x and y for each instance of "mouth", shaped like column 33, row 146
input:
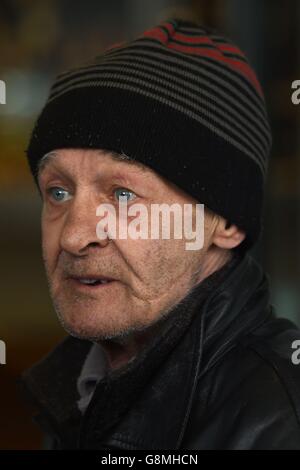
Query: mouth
column 91, row 282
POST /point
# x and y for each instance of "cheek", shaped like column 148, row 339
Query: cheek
column 155, row 263
column 50, row 241
column 172, row 266
column 176, row 259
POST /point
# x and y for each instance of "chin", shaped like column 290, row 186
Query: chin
column 94, row 327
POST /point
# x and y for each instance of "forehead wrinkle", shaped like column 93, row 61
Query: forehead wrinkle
column 123, row 158
column 119, row 157
column 120, row 175
column 128, row 177
column 122, row 172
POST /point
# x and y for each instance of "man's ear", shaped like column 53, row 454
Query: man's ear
column 227, row 235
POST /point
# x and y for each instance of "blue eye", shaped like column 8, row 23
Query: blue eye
column 124, row 193
column 58, row 194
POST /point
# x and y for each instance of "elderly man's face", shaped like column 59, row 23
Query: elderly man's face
column 149, row 276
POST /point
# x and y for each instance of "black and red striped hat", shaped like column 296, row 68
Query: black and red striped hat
column 181, row 99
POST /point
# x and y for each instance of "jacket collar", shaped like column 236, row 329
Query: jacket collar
column 158, row 388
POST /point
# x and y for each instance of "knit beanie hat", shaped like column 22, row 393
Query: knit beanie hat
column 180, row 99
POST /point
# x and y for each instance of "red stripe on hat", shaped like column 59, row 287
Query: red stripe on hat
column 208, row 41
column 170, row 27
column 192, row 39
column 215, row 53
column 230, row 48
column 242, row 67
column 158, row 34
column 245, row 70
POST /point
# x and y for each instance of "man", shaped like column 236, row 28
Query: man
column 168, row 347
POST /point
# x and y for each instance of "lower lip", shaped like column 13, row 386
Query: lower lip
column 90, row 287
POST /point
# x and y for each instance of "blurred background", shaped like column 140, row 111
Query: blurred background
column 40, row 39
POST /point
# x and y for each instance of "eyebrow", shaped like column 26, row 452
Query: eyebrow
column 45, row 160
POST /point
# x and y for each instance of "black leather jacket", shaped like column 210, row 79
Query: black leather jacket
column 220, row 377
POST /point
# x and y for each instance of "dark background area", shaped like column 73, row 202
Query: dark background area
column 40, row 39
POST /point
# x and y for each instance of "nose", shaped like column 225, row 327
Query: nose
column 79, row 228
